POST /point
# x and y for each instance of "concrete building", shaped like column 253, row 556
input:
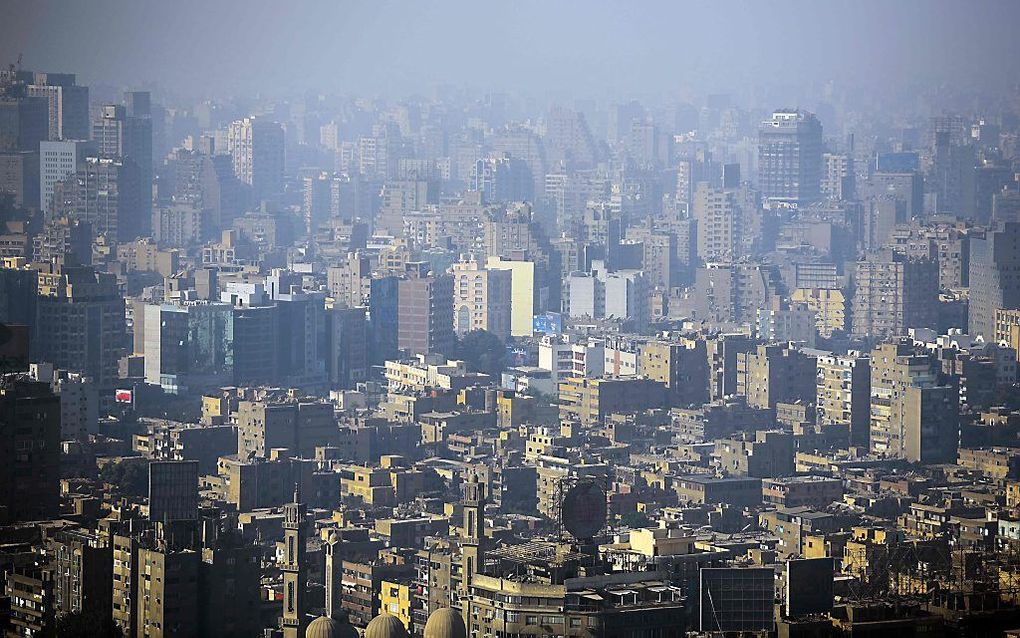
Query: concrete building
column 257, row 148
column 1007, row 328
column 127, row 137
column 720, row 223
column 843, row 395
column 81, row 314
column 894, row 293
column 776, row 374
column 107, row 194
column 802, row 491
column 766, row 454
column 57, row 162
column 827, row 305
column 482, row 299
column 912, row 416
column 790, row 158
column 298, row 426
column 682, row 366
column 29, row 450
column 82, row 571
column 68, row 104
column 590, row 401
column 425, row 313
column 994, row 283
column 522, row 293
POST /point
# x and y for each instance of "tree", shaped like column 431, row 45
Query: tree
column 635, row 520
column 86, row 624
column 483, row 352
column 129, row 475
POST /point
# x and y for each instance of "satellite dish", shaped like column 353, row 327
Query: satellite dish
column 583, row 511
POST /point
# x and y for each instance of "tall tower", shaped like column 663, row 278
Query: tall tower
column 334, row 574
column 790, row 157
column 294, row 574
column 472, row 537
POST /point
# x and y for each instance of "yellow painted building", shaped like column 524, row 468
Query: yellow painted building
column 1007, row 328
column 522, row 293
column 829, row 306
column 395, row 599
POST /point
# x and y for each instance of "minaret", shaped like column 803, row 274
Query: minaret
column 294, row 574
column 472, row 537
column 334, row 574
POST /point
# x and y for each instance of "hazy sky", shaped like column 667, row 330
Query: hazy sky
column 584, row 48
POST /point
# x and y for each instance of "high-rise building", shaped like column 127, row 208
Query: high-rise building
column 425, row 313
column 128, row 138
column 952, row 175
column 844, row 394
column 776, row 374
column 503, row 179
column 894, row 292
column 994, row 276
column 82, row 571
column 24, row 122
column 29, row 449
column 681, row 365
column 257, row 147
column 57, row 162
column 19, row 177
column 68, row 105
column 912, row 415
column 81, row 324
column 838, row 177
column 720, row 223
column 482, row 299
column 348, row 346
column 790, row 158
column 166, row 596
column 105, row 193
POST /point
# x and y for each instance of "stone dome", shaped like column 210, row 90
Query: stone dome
column 445, row 623
column 326, row 627
column 386, row 626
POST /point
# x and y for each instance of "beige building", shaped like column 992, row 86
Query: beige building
column 894, row 292
column 828, row 306
column 776, row 374
column 720, row 223
column 522, row 293
column 843, row 395
column 1007, row 328
column 481, row 299
column 912, row 417
column 590, row 401
column 681, row 365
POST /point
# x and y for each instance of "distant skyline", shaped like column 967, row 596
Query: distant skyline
column 532, row 48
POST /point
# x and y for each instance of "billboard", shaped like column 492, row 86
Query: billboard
column 735, row 599
column 550, row 323
column 808, row 586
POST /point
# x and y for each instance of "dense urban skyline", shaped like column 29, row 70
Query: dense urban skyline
column 564, row 319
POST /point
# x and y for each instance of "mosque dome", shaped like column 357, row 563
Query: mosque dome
column 326, row 627
column 386, row 626
column 445, row 623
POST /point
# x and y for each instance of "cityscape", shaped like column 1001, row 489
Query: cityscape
column 501, row 320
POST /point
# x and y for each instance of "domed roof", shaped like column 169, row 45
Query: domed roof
column 326, row 627
column 386, row 626
column 445, row 623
